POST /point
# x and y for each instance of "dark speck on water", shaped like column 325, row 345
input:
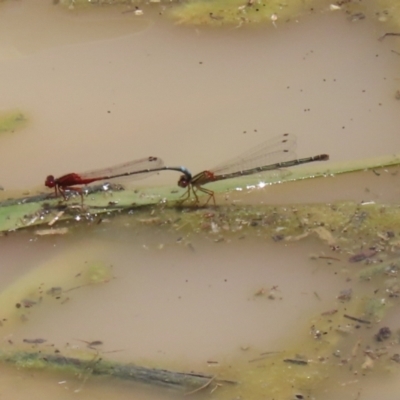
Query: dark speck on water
column 34, row 341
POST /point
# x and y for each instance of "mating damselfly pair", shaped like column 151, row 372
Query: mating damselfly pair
column 275, row 153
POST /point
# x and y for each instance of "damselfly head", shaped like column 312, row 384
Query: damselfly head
column 50, row 182
column 183, row 181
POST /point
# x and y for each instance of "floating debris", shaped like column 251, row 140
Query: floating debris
column 345, row 295
column 295, row 361
column 91, row 344
column 361, row 321
column 54, row 291
column 330, row 312
column 383, row 334
column 151, row 376
column 47, row 232
column 362, row 256
column 356, row 17
column 395, row 358
column 368, row 363
column 389, row 34
column 34, row 341
column 27, row 303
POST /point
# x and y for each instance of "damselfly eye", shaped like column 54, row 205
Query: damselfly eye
column 50, row 181
column 183, row 182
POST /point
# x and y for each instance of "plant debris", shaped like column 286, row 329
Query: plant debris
column 361, row 321
column 383, row 334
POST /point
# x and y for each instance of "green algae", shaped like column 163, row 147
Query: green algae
column 239, row 12
column 228, row 12
column 383, row 269
column 330, row 345
column 11, row 121
column 98, row 272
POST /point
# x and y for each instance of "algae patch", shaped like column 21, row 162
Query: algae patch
column 12, row 120
column 98, row 272
column 239, row 12
column 222, row 12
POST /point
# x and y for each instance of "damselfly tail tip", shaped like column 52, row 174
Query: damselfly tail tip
column 323, row 157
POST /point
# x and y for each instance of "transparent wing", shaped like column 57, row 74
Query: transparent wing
column 136, row 169
column 275, row 150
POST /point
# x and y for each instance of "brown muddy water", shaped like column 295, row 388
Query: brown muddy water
column 100, row 87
